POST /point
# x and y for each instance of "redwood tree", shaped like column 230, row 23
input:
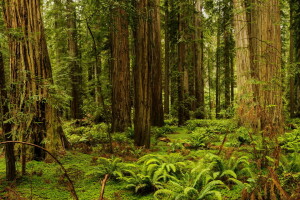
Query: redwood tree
column 6, row 126
column 142, row 77
column 31, row 76
column 121, row 103
column 75, row 67
column 199, row 65
column 157, row 113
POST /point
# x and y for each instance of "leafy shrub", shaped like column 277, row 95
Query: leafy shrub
column 243, row 135
column 161, row 131
column 114, row 167
column 229, row 171
column 171, row 121
column 290, row 141
column 130, row 132
column 200, row 138
column 87, row 134
column 194, row 184
column 153, row 171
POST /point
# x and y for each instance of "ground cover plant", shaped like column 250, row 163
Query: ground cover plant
column 194, row 171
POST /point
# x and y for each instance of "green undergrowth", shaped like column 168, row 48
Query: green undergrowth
column 205, row 159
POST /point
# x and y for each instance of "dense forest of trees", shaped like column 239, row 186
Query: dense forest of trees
column 133, row 65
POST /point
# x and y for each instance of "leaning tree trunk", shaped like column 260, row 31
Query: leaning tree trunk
column 76, row 69
column 31, row 76
column 121, row 104
column 10, row 160
column 142, row 78
column 157, row 113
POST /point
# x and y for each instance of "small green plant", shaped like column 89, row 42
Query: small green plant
column 197, row 184
column 176, row 146
column 290, row 141
column 161, row 131
column 114, row 167
column 165, row 167
column 200, row 138
column 229, row 171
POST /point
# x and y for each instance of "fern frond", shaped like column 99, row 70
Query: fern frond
column 164, row 192
column 228, row 173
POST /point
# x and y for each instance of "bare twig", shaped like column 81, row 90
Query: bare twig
column 73, row 192
column 103, row 182
column 224, row 140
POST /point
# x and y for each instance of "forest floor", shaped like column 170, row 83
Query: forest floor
column 175, row 153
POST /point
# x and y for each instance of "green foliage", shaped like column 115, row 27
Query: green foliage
column 93, row 134
column 114, row 167
column 200, row 138
column 290, row 141
column 196, row 184
column 243, row 135
column 176, row 145
column 161, row 131
column 229, row 170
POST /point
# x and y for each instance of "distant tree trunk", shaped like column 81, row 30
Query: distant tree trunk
column 291, row 69
column 157, row 113
column 227, row 78
column 209, row 83
column 121, row 103
column 10, row 159
column 173, row 27
column 199, row 68
column 142, row 78
column 167, row 59
column 31, row 76
column 218, row 67
column 76, row 69
column 232, row 79
column 228, row 55
column 183, row 108
column 294, row 82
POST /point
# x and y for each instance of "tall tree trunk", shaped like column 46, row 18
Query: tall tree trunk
column 266, row 64
column 232, row 79
column 244, row 86
column 218, row 68
column 142, row 78
column 199, row 66
column 157, row 113
column 167, row 59
column 121, row 105
column 291, row 68
column 76, row 69
column 294, row 82
column 183, row 108
column 227, row 78
column 10, row 160
column 31, row 76
column 173, row 27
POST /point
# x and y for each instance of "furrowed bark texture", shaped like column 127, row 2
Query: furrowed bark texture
column 121, row 104
column 34, row 118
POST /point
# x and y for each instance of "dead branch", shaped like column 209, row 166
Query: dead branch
column 103, row 182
